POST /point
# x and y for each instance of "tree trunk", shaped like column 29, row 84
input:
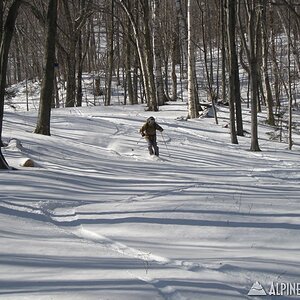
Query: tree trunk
column 149, row 59
column 265, row 55
column 1, row 19
column 223, row 50
column 18, row 73
column 128, row 72
column 231, row 23
column 183, row 34
column 144, row 53
column 135, row 80
column 290, row 122
column 193, row 109
column 6, row 35
column 46, row 98
column 157, row 55
column 237, row 91
column 110, row 55
column 71, row 73
column 252, row 27
column 74, row 24
column 274, row 62
column 79, row 72
column 173, row 73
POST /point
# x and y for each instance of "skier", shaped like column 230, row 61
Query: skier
column 148, row 131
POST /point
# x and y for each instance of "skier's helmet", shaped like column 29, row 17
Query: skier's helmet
column 151, row 121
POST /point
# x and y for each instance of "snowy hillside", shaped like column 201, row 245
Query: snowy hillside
column 97, row 218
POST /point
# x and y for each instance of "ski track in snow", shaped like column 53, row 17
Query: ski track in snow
column 45, row 211
column 259, row 173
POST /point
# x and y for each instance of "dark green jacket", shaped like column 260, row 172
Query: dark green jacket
column 150, row 130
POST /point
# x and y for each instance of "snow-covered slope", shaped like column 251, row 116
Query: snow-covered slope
column 97, row 218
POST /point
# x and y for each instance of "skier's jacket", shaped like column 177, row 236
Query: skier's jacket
column 148, row 130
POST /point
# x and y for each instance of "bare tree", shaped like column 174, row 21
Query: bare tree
column 6, row 37
column 233, row 67
column 128, row 61
column 265, row 59
column 110, row 52
column 71, row 23
column 193, row 107
column 183, row 34
column 46, row 97
column 253, row 52
column 149, row 41
column 157, row 54
column 144, row 50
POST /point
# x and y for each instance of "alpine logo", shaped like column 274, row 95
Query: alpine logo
column 257, row 290
column 276, row 289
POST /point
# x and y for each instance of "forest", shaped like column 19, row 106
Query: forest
column 221, row 52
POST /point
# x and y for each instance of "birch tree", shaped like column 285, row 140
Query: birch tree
column 192, row 105
column 145, row 51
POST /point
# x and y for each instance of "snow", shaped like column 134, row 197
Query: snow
column 97, row 218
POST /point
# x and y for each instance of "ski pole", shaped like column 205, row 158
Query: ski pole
column 137, row 143
column 139, row 140
column 165, row 144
